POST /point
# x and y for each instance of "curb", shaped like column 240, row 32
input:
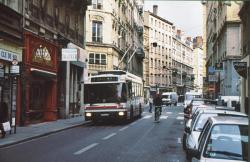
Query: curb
column 43, row 134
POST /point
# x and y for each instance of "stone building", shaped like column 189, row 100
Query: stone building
column 114, row 31
column 245, row 44
column 46, row 88
column 158, row 48
column 182, row 63
column 223, row 46
column 198, row 66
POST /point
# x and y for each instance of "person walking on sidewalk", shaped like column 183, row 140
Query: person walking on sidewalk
column 150, row 100
column 3, row 116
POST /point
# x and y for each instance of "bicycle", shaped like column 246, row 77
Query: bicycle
column 157, row 113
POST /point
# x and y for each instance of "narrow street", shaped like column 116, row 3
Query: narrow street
column 142, row 140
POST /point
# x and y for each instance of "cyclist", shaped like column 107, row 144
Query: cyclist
column 158, row 102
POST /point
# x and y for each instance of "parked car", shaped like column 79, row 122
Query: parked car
column 223, row 139
column 197, row 103
column 169, row 98
column 189, row 96
column 198, row 123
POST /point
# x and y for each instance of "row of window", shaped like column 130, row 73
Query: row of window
column 161, row 36
column 97, row 58
column 160, row 24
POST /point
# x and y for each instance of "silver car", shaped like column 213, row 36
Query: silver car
column 198, row 123
column 224, row 139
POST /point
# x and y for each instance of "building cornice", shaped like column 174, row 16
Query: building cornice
column 158, row 17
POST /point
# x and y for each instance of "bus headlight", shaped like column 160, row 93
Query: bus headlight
column 88, row 114
column 121, row 113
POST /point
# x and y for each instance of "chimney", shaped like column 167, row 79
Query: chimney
column 189, row 39
column 178, row 32
column 155, row 9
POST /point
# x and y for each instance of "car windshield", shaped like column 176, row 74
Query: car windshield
column 201, row 120
column 228, row 142
column 166, row 96
column 97, row 93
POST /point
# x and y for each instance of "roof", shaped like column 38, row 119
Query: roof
column 229, row 120
column 158, row 17
column 226, row 113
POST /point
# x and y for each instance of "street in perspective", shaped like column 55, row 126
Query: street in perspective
column 124, row 80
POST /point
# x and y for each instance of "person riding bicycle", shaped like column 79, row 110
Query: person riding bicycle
column 158, row 101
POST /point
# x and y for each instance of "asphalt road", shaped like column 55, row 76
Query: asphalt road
column 142, row 140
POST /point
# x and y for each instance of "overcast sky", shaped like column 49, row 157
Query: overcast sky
column 186, row 15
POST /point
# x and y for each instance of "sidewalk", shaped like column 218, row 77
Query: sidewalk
column 38, row 130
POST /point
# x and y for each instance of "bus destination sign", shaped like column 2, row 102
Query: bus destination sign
column 104, row 79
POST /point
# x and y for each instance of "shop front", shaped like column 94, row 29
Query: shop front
column 39, row 80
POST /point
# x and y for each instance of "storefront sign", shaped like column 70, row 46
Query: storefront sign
column 7, row 55
column 42, row 55
column 212, row 78
column 15, row 69
column 211, row 87
column 219, row 66
column 69, row 54
column 241, row 68
column 211, row 69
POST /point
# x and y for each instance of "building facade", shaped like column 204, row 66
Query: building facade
column 11, row 48
column 43, row 84
column 223, row 46
column 114, row 31
column 198, row 69
column 158, row 47
column 245, row 44
column 182, row 72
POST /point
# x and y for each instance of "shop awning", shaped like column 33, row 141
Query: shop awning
column 43, row 73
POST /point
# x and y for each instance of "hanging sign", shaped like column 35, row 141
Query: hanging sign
column 69, row 54
column 241, row 68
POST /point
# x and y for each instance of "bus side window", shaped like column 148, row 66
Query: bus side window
column 129, row 84
column 124, row 93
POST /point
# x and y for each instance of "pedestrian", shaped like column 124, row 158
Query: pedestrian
column 3, row 116
column 150, row 100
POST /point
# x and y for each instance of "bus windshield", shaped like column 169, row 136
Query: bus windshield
column 102, row 93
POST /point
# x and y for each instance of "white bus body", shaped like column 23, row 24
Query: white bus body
column 113, row 94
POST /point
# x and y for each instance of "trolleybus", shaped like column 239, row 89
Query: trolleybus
column 113, row 94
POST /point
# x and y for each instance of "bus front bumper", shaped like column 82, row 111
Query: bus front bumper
column 105, row 114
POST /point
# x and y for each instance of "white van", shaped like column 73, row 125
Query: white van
column 169, row 98
column 229, row 101
column 189, row 96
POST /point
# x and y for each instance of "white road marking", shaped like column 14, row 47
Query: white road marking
column 122, row 129
column 109, row 136
column 169, row 112
column 180, row 118
column 179, row 140
column 163, row 117
column 147, row 116
column 86, row 148
column 134, row 123
column 181, row 113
